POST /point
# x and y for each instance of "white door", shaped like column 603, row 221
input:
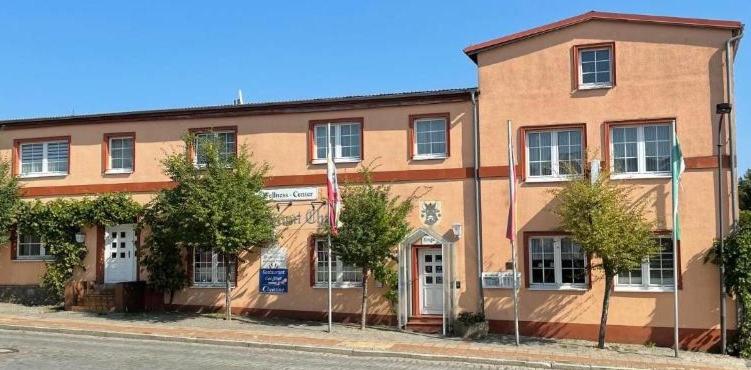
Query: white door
column 119, row 253
column 431, row 280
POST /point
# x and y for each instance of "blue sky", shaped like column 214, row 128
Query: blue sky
column 60, row 58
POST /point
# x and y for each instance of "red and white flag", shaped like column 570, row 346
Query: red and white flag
column 511, row 227
column 332, row 187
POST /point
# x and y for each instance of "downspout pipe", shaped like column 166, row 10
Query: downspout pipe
column 478, row 204
column 731, row 49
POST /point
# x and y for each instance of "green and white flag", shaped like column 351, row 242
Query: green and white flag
column 677, row 168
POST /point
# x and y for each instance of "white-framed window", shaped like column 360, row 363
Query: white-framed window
column 595, row 67
column 345, row 139
column 30, row 247
column 49, row 158
column 208, row 269
column 121, row 150
column 641, row 150
column 343, row 275
column 556, row 262
column 654, row 274
column 430, row 138
column 226, row 141
column 553, row 154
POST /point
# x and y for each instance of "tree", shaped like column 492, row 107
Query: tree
column 217, row 205
column 10, row 200
column 744, row 191
column 373, row 223
column 737, row 261
column 601, row 218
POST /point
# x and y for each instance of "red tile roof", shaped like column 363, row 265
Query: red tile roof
column 472, row 50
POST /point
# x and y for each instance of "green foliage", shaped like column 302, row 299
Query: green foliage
column 737, row 261
column 744, row 191
column 390, row 280
column 373, row 223
column 218, row 206
column 57, row 223
column 603, row 220
column 10, row 200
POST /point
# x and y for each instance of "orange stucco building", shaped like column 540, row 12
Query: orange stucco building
column 599, row 87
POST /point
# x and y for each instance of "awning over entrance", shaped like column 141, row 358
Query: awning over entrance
column 426, row 278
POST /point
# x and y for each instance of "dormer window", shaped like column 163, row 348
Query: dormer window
column 595, row 65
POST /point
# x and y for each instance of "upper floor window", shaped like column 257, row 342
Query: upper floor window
column 342, row 275
column 553, row 154
column 641, row 150
column 121, row 153
column 345, row 139
column 226, row 141
column 44, row 158
column 556, row 262
column 655, row 273
column 430, row 137
column 595, row 66
column 30, row 247
column 209, row 269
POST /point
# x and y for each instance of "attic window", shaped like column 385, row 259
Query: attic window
column 595, row 66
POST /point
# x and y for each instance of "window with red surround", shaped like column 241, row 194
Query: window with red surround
column 594, row 66
column 226, row 137
column 552, row 152
column 345, row 135
column 41, row 157
column 429, row 136
column 119, row 153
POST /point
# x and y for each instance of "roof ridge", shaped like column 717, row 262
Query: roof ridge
column 472, row 50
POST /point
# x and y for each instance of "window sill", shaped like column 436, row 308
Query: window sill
column 336, row 160
column 581, row 288
column 429, row 157
column 118, row 172
column 636, row 176
column 595, row 87
column 212, row 286
column 33, row 259
column 628, row 289
column 549, row 179
column 338, row 286
column 42, row 175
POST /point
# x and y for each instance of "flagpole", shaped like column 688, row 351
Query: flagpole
column 512, row 198
column 676, row 338
column 328, row 209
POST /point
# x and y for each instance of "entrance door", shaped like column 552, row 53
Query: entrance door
column 431, row 280
column 119, row 253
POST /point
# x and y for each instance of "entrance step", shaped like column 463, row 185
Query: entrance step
column 425, row 324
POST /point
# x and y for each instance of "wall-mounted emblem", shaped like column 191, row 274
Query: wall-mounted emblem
column 430, row 212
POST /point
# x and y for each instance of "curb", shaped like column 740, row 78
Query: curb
column 314, row 349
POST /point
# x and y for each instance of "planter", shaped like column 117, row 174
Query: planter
column 475, row 330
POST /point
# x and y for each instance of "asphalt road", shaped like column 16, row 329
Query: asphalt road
column 29, row 350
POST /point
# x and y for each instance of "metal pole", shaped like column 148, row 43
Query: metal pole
column 328, row 209
column 676, row 336
column 512, row 198
column 721, row 224
column 329, row 257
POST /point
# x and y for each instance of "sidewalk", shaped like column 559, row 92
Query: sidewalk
column 346, row 339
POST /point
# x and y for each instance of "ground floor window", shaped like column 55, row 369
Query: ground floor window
column 209, row 268
column 655, row 273
column 556, row 262
column 343, row 275
column 30, row 247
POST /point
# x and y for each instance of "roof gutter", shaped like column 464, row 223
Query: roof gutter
column 731, row 49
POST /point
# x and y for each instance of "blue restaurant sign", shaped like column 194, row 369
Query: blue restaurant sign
column 274, row 281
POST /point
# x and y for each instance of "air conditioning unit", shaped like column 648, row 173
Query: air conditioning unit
column 501, row 279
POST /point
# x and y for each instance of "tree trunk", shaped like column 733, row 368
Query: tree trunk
column 605, row 305
column 227, row 290
column 363, row 320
